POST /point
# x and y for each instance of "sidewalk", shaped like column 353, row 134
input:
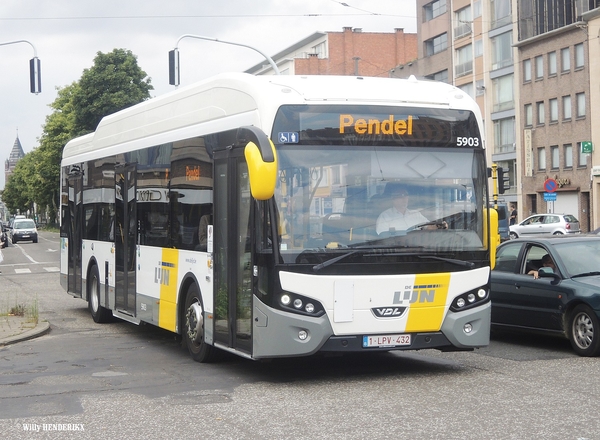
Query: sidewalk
column 15, row 329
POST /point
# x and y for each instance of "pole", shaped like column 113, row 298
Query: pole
column 199, row 37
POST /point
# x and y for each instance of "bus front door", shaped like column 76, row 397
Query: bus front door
column 74, row 234
column 232, row 253
column 125, row 238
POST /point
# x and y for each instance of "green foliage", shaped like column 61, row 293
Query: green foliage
column 113, row 83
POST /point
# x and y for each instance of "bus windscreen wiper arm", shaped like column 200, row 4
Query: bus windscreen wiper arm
column 449, row 260
column 320, row 266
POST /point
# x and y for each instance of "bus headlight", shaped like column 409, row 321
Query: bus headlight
column 293, row 302
column 473, row 298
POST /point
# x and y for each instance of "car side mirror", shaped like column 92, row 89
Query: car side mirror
column 548, row 272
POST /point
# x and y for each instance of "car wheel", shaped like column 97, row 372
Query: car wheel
column 35, row 240
column 513, row 235
column 558, row 233
column 584, row 331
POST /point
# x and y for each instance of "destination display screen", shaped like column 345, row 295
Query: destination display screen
column 375, row 125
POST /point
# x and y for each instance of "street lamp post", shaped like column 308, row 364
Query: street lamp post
column 174, row 56
column 35, row 73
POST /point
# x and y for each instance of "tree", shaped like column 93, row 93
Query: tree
column 113, row 83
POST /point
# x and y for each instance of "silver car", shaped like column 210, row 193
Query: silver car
column 556, row 224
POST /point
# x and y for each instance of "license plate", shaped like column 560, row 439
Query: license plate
column 386, row 340
column 25, row 236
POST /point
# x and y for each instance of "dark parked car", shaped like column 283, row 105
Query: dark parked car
column 550, row 284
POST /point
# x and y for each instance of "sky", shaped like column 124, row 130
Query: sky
column 67, row 35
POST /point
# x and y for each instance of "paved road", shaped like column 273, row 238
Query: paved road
column 125, row 381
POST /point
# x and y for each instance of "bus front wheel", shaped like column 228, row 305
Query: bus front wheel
column 99, row 313
column 193, row 328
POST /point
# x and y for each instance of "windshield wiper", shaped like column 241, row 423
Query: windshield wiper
column 586, row 274
column 320, row 266
column 449, row 260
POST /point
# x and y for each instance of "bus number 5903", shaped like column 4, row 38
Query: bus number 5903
column 467, row 141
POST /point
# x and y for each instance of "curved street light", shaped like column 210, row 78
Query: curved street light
column 174, row 56
column 35, row 73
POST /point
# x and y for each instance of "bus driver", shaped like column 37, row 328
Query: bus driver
column 399, row 217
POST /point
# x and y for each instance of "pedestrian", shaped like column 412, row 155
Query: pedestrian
column 513, row 216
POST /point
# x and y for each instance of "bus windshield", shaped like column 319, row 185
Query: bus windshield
column 413, row 192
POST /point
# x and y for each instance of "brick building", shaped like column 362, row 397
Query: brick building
column 350, row 52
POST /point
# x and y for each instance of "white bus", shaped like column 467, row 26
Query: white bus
column 242, row 212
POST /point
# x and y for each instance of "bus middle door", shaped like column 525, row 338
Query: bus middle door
column 74, row 233
column 125, row 238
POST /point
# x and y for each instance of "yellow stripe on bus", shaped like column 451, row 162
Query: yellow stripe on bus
column 167, row 308
column 426, row 311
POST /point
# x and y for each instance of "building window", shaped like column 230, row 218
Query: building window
column 436, row 44
column 566, row 101
column 478, row 48
column 541, row 158
column 528, row 115
column 439, row 76
column 554, row 157
column 503, row 93
column 464, row 60
column 580, row 105
column 565, row 55
column 540, row 113
column 504, row 135
column 434, row 9
column 539, row 67
column 463, row 22
column 582, row 157
column 579, row 56
column 568, row 152
column 552, row 64
column 468, row 89
column 477, row 8
column 553, row 104
column 527, row 70
column 501, row 13
column 319, row 49
column 502, row 53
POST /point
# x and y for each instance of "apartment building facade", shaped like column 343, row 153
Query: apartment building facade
column 350, row 52
column 531, row 66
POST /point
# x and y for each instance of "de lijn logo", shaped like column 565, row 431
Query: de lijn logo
column 410, row 295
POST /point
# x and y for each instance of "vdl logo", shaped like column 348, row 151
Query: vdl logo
column 410, row 295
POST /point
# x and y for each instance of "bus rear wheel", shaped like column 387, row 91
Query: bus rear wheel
column 99, row 313
column 193, row 328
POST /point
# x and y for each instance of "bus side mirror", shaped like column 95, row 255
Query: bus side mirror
column 491, row 236
column 262, row 162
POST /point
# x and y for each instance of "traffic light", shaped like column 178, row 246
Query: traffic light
column 174, row 67
column 503, row 180
column 35, row 75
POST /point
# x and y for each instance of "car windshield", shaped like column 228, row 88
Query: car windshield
column 24, row 224
column 580, row 256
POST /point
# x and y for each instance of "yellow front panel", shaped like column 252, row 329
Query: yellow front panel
column 426, row 311
column 167, row 309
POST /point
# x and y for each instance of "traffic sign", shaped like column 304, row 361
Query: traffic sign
column 550, row 197
column 550, row 185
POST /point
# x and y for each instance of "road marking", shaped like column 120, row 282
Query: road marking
column 22, row 271
column 52, row 269
column 25, row 253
